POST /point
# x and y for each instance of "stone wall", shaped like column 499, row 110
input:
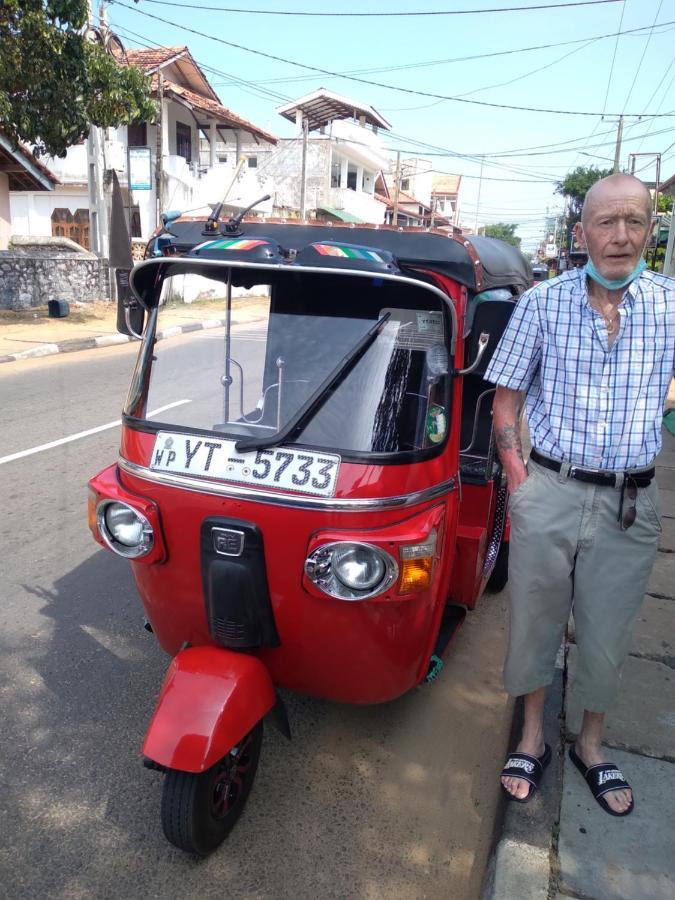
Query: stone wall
column 36, row 270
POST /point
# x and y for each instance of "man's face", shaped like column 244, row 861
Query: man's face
column 615, row 228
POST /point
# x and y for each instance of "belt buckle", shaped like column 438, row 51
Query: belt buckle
column 574, row 469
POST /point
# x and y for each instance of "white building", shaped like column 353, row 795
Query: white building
column 344, row 156
column 200, row 142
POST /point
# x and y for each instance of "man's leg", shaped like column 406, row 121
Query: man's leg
column 589, row 749
column 610, row 579
column 532, row 739
column 545, row 519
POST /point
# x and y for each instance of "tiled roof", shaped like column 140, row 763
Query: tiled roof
column 151, row 58
column 24, row 179
column 408, row 199
column 215, row 109
column 668, row 184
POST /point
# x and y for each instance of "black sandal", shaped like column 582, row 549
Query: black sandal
column 529, row 768
column 601, row 779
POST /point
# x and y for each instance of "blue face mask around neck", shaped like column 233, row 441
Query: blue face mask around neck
column 618, row 284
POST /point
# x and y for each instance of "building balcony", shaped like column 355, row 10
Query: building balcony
column 357, row 203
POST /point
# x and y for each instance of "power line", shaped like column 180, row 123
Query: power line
column 665, row 27
column 388, row 13
column 562, row 112
column 644, row 50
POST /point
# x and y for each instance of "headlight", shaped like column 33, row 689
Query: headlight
column 124, row 529
column 351, row 571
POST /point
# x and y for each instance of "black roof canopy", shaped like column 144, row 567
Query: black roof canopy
column 479, row 263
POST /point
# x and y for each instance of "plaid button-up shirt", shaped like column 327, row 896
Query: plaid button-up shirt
column 587, row 404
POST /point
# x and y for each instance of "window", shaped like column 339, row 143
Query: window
column 351, row 177
column 137, row 134
column 405, row 184
column 385, row 404
column 335, row 173
column 253, row 162
column 75, row 227
column 184, row 141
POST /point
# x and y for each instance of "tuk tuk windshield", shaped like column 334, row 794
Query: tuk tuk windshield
column 288, row 339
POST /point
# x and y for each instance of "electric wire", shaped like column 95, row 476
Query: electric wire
column 644, row 51
column 276, row 58
column 344, row 14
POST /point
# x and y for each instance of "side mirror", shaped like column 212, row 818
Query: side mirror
column 130, row 314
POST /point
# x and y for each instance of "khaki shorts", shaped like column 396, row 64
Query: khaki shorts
column 567, row 552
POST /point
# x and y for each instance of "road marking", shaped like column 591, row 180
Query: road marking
column 82, row 434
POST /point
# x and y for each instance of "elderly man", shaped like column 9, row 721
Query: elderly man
column 594, row 351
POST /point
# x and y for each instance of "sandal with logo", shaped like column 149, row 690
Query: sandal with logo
column 529, row 768
column 601, row 779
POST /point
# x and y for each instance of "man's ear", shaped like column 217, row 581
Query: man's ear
column 579, row 235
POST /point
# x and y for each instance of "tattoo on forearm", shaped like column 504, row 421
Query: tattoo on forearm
column 508, row 438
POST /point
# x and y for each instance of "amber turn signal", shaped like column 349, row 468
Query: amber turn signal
column 91, row 511
column 415, row 575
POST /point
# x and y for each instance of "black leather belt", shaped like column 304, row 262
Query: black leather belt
column 591, row 476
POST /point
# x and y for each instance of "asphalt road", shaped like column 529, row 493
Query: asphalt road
column 396, row 801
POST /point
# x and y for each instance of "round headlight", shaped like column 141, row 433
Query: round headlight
column 359, row 567
column 125, row 530
column 351, row 571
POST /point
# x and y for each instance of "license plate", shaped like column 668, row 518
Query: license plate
column 279, row 467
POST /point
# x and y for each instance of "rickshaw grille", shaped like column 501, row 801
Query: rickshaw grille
column 234, row 579
column 232, row 633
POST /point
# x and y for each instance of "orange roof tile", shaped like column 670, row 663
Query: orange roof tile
column 216, row 109
column 151, row 58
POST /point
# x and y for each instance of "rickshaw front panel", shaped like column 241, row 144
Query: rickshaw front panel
column 361, row 651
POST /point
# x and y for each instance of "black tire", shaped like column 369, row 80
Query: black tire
column 199, row 811
column 500, row 574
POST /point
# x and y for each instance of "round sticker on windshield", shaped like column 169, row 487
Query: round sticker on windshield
column 437, row 423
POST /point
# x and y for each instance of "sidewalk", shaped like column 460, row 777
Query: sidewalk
column 562, row 844
column 25, row 334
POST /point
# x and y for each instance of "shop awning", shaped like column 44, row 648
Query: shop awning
column 340, row 214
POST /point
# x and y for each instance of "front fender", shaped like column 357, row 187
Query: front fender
column 209, row 700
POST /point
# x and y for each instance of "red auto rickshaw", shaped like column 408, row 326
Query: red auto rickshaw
column 312, row 501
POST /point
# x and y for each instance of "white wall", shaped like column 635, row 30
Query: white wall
column 5, row 214
column 31, row 211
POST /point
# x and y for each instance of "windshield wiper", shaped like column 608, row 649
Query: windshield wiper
column 298, row 421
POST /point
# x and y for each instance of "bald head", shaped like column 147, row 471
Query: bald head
column 615, row 222
column 613, row 190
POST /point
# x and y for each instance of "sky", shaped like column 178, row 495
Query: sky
column 407, row 65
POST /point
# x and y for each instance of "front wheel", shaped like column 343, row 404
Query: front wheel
column 199, row 810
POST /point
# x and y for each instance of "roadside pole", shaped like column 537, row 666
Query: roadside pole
column 303, row 173
column 617, row 151
column 397, row 188
column 480, row 185
column 159, row 147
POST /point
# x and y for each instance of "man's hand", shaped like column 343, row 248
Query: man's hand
column 506, row 417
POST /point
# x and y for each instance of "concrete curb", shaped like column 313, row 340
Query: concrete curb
column 526, row 838
column 106, row 340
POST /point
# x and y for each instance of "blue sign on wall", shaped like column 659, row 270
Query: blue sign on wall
column 140, row 168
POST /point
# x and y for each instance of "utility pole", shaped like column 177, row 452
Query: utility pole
column 397, row 188
column 159, row 180
column 303, row 173
column 632, row 157
column 480, row 184
column 617, row 151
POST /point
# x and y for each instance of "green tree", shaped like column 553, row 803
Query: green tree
column 54, row 84
column 575, row 186
column 504, row 232
column 665, row 204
